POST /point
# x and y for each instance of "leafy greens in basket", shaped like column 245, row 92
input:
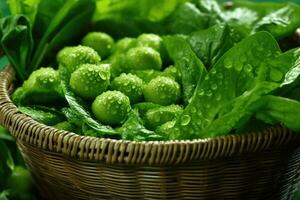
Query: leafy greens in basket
column 196, row 70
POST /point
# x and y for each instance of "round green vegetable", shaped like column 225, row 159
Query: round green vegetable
column 153, row 41
column 172, row 72
column 20, row 180
column 143, row 58
column 89, row 80
column 118, row 66
column 147, row 74
column 101, row 42
column 42, row 87
column 124, row 44
column 72, row 57
column 150, row 40
column 162, row 90
column 111, row 107
column 130, row 85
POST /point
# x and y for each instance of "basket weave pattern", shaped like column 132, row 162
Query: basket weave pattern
column 264, row 165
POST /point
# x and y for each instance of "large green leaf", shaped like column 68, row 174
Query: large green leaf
column 28, row 8
column 186, row 19
column 83, row 114
column 236, row 81
column 275, row 109
column 133, row 129
column 280, row 23
column 17, row 43
column 152, row 10
column 190, row 66
column 210, row 44
column 69, row 22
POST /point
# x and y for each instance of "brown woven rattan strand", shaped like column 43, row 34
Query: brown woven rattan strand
column 262, row 165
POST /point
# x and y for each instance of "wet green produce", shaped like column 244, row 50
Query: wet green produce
column 187, row 71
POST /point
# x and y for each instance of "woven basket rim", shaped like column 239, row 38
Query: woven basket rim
column 24, row 128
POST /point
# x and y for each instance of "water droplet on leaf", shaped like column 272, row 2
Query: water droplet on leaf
column 214, row 86
column 208, row 93
column 227, row 63
column 275, row 75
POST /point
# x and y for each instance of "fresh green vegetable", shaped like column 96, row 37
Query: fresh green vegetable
column 20, row 179
column 81, row 116
column 124, row 44
column 153, row 41
column 33, row 38
column 17, row 43
column 162, row 90
column 66, row 126
column 237, row 79
column 15, row 181
column 111, row 107
column 190, row 66
column 143, row 58
column 133, row 129
column 280, row 23
column 279, row 109
column 72, row 57
column 130, row 85
column 42, row 87
column 147, row 74
column 158, row 116
column 222, row 73
column 210, row 44
column 43, row 115
column 100, row 42
column 172, row 72
column 88, row 81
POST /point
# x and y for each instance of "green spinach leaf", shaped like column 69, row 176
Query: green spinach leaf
column 210, row 44
column 133, row 129
column 83, row 114
column 191, row 68
column 17, row 43
column 28, row 8
column 236, row 81
column 280, row 23
column 68, row 23
column 277, row 109
column 186, row 19
column 45, row 115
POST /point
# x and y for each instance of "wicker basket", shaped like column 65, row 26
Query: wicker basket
column 264, row 165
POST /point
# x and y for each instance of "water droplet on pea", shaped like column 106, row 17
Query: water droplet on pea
column 185, row 120
column 103, row 75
